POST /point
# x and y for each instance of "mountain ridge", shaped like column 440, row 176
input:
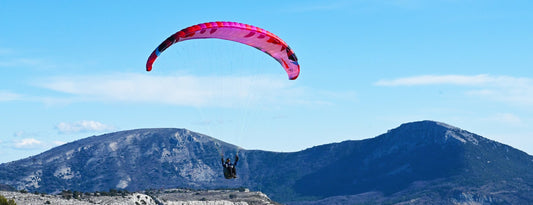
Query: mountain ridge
column 417, row 154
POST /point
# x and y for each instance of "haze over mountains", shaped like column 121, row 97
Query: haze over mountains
column 423, row 161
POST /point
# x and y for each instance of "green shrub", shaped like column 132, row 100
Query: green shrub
column 4, row 201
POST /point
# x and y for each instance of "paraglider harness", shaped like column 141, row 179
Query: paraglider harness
column 229, row 168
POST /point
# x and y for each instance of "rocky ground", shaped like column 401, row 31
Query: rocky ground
column 157, row 197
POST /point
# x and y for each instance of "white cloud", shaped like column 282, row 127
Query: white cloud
column 516, row 90
column 31, row 140
column 82, row 126
column 220, row 91
column 505, row 118
column 438, row 79
column 27, row 62
column 28, row 143
column 8, row 96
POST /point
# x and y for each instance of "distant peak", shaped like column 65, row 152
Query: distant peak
column 429, row 123
column 434, row 130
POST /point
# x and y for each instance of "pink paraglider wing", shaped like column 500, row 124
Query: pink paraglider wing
column 238, row 32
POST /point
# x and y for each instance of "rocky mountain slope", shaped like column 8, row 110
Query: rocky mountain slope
column 417, row 161
column 133, row 160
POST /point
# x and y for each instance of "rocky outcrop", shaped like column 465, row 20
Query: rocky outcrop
column 159, row 197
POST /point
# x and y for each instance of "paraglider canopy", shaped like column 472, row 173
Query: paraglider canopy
column 237, row 32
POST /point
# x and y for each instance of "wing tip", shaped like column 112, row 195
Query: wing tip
column 151, row 60
column 293, row 76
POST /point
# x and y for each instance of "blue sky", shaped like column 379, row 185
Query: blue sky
column 73, row 69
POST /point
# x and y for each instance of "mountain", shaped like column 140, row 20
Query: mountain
column 133, row 160
column 423, row 161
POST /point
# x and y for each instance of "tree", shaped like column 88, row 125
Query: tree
column 76, row 194
column 66, row 194
column 4, row 201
